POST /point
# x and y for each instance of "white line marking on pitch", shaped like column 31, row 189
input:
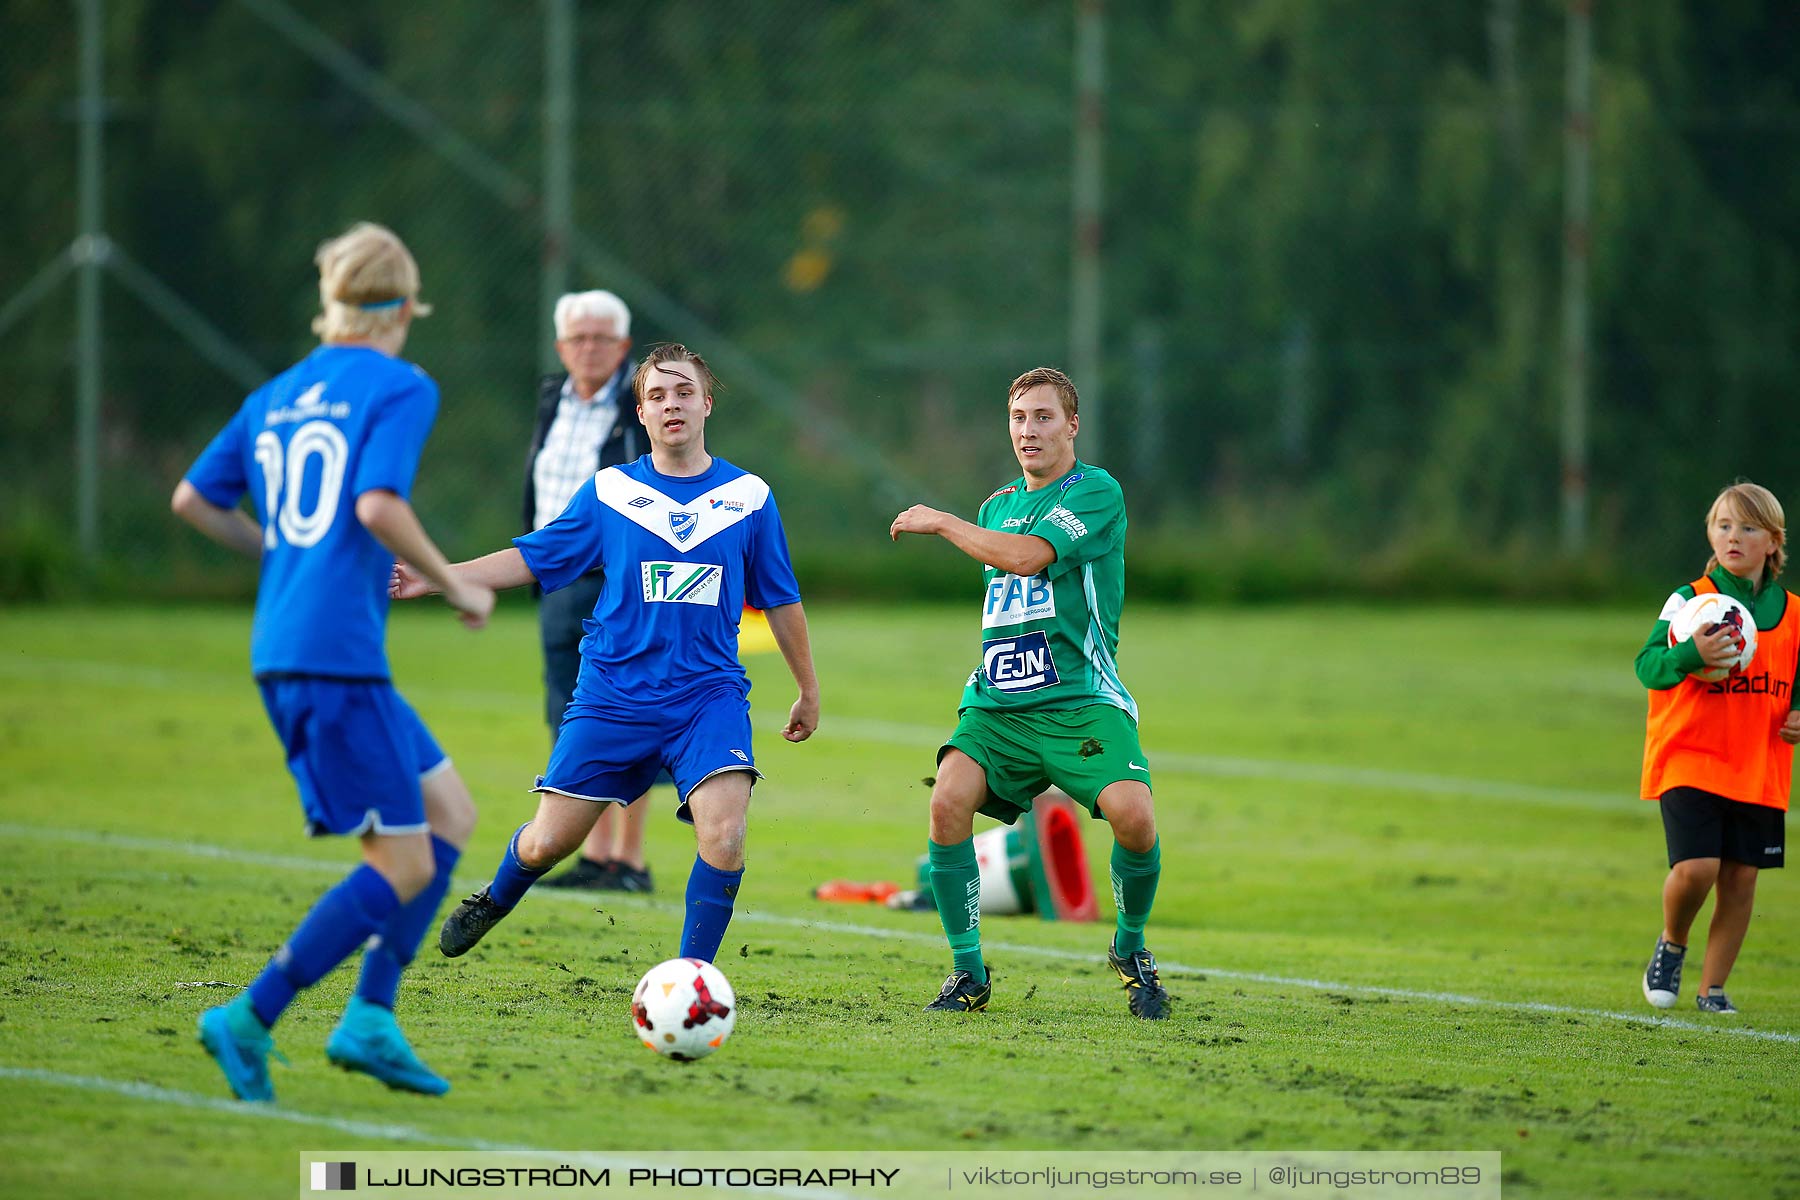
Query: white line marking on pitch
column 362, row 1129
column 225, row 854
column 271, row 1112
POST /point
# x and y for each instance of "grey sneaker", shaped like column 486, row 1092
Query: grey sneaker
column 1714, row 1000
column 1662, row 978
column 469, row 924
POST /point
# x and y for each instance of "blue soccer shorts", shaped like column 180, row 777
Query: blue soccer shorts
column 611, row 754
column 357, row 750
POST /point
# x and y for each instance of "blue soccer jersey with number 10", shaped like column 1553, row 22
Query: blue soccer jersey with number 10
column 343, row 421
column 681, row 556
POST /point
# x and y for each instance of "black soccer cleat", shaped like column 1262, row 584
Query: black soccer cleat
column 585, row 875
column 469, row 924
column 628, row 878
column 612, row 876
column 961, row 993
column 1143, row 986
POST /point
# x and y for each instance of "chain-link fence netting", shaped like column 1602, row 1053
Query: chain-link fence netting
column 1333, row 251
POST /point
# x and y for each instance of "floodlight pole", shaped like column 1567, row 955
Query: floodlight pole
column 1085, row 318
column 1578, row 136
column 559, row 209
column 89, row 253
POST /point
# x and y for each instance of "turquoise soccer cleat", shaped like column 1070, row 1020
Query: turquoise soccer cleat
column 368, row 1039
column 241, row 1046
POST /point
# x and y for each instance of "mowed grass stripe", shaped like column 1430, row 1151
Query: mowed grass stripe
column 103, row 840
column 887, row 733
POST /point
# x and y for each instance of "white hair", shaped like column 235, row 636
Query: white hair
column 599, row 304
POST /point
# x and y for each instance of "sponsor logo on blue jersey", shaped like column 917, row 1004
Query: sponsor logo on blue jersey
column 1021, row 664
column 308, row 406
column 642, row 502
column 681, row 583
column 1013, row 601
column 683, row 524
column 731, row 506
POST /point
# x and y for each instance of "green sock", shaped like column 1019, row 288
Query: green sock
column 1134, row 879
column 956, row 887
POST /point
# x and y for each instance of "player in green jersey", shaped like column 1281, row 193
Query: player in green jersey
column 1046, row 704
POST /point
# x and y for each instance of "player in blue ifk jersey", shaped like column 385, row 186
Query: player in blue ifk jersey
column 684, row 540
column 327, row 451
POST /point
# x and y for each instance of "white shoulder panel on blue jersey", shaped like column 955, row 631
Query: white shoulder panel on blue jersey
column 683, row 526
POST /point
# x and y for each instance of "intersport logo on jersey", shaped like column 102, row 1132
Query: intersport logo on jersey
column 681, row 583
column 1012, row 600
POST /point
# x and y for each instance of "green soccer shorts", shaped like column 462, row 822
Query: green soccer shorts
column 1080, row 750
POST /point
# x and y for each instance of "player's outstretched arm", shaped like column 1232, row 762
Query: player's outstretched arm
column 497, row 571
column 1015, row 553
column 230, row 527
column 788, row 623
column 392, row 521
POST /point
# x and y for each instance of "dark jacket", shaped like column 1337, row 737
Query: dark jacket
column 624, row 444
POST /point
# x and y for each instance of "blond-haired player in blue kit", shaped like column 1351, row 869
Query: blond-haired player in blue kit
column 327, row 451
column 1046, row 704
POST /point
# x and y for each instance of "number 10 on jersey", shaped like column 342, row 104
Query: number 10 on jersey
column 284, row 477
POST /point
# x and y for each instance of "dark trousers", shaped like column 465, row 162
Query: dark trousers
column 560, row 615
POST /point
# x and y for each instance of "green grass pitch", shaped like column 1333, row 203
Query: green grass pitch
column 1407, row 896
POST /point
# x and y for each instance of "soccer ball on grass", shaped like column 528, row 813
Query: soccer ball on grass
column 1702, row 615
column 683, row 1009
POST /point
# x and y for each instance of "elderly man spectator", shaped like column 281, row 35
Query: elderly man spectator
column 584, row 425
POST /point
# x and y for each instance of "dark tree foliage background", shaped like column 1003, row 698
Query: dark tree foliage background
column 1332, row 252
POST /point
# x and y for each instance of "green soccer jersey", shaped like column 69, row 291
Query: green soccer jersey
column 1051, row 641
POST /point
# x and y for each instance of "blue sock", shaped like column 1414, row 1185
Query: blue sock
column 400, row 937
column 711, row 893
column 341, row 921
column 512, row 878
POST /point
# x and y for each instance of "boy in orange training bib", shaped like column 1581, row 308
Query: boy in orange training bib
column 1718, row 756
